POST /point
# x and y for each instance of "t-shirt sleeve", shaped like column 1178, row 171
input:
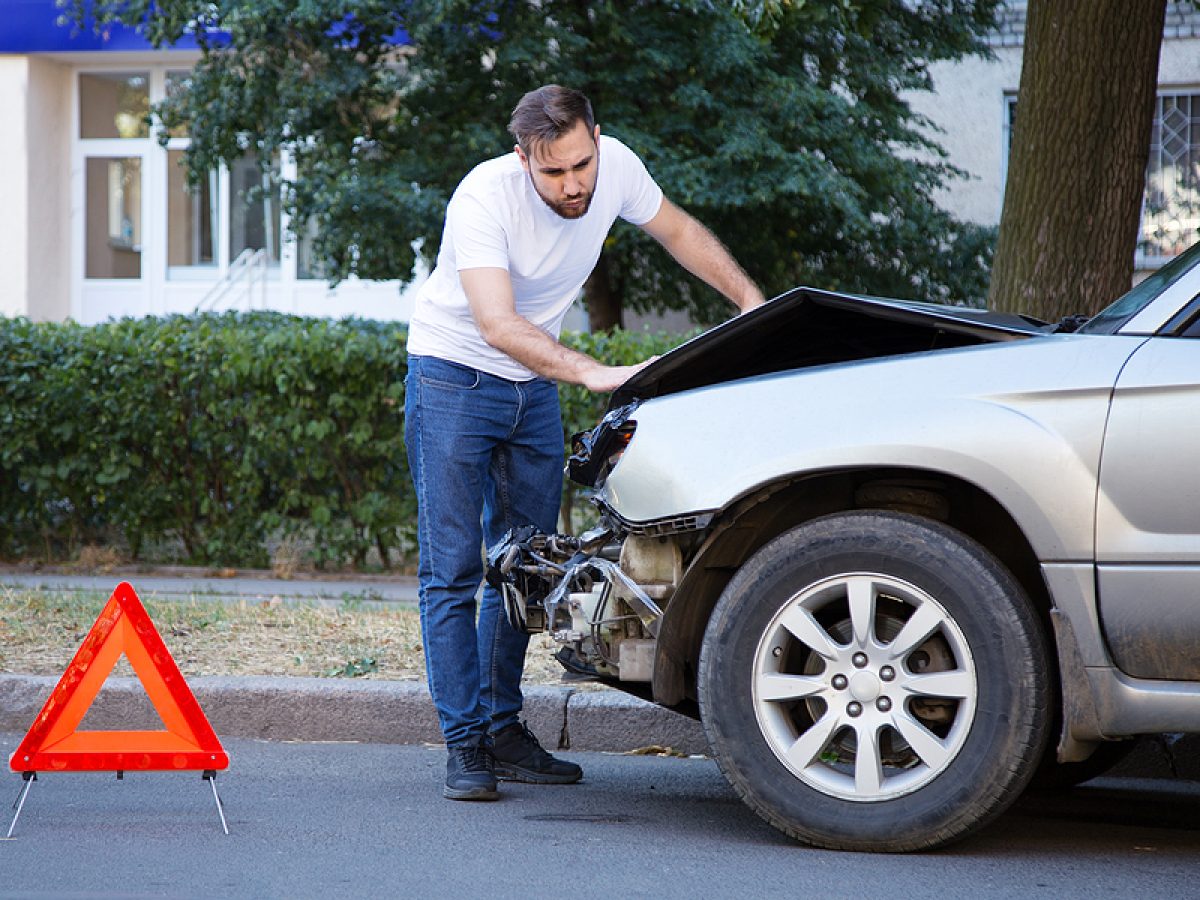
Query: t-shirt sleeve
column 642, row 197
column 478, row 239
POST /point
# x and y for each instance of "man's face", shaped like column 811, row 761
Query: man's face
column 564, row 171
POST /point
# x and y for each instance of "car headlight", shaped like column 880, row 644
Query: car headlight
column 595, row 452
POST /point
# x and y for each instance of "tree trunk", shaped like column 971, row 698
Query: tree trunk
column 1077, row 165
column 602, row 302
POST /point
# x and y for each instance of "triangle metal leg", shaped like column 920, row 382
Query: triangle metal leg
column 211, row 777
column 29, row 778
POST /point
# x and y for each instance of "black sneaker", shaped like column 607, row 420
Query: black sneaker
column 519, row 757
column 470, row 774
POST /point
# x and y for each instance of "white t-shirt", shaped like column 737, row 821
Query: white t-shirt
column 495, row 219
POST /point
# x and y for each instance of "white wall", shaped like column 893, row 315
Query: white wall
column 48, row 135
column 968, row 108
column 14, row 185
column 1179, row 64
column 34, row 241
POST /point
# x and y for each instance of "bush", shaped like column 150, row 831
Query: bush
column 219, row 432
column 214, row 431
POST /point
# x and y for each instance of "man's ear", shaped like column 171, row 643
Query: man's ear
column 521, row 156
column 596, row 135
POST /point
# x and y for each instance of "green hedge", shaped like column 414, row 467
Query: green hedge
column 219, row 433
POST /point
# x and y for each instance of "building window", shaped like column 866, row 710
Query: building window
column 192, row 218
column 308, row 266
column 254, row 215
column 114, row 105
column 114, row 217
column 1171, row 209
column 174, row 83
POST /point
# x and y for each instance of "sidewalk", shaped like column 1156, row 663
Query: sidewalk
column 253, row 586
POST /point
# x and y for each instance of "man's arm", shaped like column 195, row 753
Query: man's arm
column 494, row 309
column 698, row 250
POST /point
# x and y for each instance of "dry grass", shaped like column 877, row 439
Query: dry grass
column 287, row 558
column 97, row 559
column 41, row 630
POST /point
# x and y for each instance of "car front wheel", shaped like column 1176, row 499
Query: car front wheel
column 875, row 681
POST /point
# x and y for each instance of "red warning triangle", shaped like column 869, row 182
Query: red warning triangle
column 54, row 744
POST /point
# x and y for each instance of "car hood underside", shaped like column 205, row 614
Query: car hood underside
column 806, row 327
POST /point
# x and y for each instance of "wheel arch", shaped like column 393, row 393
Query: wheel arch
column 753, row 520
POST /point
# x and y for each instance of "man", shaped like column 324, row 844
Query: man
column 523, row 231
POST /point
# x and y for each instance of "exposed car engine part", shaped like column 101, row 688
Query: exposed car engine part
column 566, row 586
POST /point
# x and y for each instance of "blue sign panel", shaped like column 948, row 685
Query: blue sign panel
column 32, row 26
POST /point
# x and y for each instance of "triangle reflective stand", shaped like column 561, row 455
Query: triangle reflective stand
column 54, row 742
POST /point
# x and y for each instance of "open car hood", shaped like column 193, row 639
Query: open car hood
column 807, row 327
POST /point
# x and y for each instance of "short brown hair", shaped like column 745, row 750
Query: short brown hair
column 546, row 114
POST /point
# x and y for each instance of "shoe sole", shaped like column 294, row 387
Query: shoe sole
column 527, row 776
column 478, row 793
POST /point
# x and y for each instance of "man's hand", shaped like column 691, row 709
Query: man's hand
column 603, row 379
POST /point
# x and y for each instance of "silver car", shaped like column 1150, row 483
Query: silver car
column 897, row 557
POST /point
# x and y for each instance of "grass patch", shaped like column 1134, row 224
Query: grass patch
column 40, row 631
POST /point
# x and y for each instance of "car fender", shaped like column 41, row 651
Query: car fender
column 1023, row 421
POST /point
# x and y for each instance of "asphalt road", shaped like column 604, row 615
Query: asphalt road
column 345, row 820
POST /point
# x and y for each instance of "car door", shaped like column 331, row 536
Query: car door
column 1148, row 513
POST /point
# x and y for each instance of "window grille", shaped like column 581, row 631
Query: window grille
column 1171, row 208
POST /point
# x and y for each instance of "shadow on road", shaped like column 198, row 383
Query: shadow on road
column 1136, row 803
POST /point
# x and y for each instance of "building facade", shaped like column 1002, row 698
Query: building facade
column 975, row 102
column 96, row 218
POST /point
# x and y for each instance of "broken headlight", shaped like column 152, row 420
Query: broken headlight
column 595, row 452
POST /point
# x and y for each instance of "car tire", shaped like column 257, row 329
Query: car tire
column 887, row 629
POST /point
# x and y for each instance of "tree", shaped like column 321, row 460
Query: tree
column 1077, row 164
column 780, row 125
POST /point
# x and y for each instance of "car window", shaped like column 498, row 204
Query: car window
column 1111, row 319
column 1192, row 330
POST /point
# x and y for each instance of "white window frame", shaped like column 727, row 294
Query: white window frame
column 157, row 291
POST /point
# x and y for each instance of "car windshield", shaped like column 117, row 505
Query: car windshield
column 1112, row 318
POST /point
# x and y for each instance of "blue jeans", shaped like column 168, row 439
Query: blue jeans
column 486, row 455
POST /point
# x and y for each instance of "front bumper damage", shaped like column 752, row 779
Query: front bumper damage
column 579, row 590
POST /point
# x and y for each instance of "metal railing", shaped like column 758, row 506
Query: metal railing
column 245, row 281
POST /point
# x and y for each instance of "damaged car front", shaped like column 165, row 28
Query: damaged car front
column 853, row 536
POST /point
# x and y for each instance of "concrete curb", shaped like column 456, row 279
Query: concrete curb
column 400, row 712
column 392, row 712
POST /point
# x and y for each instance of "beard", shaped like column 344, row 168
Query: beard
column 575, row 208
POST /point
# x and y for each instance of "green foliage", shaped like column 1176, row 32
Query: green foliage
column 781, row 124
column 355, row 668
column 214, row 431
column 220, row 431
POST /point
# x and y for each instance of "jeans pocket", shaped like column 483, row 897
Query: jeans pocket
column 438, row 373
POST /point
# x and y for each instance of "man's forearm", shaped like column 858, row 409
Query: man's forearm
column 489, row 291
column 700, row 252
column 536, row 350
